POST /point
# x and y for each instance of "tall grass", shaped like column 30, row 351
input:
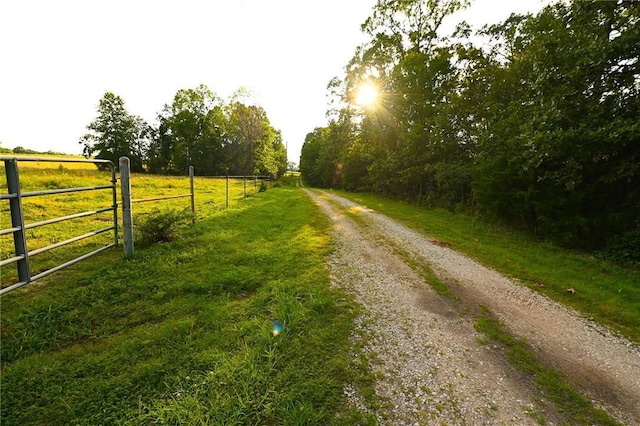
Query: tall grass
column 181, row 334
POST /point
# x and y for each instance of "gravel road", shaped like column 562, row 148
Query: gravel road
column 430, row 364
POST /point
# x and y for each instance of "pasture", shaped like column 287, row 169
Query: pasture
column 210, row 196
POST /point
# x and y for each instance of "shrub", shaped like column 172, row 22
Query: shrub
column 263, row 186
column 625, row 249
column 160, row 226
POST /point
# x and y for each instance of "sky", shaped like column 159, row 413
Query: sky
column 58, row 58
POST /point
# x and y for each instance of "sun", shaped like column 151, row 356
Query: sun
column 367, row 95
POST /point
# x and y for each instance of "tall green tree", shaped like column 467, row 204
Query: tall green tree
column 560, row 153
column 405, row 146
column 115, row 133
column 191, row 133
column 254, row 146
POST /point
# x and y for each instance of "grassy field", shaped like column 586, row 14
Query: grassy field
column 608, row 293
column 182, row 333
column 210, row 196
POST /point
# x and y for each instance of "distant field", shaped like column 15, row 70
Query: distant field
column 49, row 165
column 210, row 196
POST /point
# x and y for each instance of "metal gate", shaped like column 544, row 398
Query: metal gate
column 18, row 226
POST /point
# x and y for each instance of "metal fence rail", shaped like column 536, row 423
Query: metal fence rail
column 244, row 178
column 18, row 225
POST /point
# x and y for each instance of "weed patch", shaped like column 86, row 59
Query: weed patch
column 160, row 226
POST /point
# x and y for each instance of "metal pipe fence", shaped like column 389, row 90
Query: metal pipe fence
column 14, row 196
column 234, row 187
column 244, row 179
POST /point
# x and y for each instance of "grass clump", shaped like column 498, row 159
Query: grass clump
column 160, row 225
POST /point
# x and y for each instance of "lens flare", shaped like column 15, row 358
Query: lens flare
column 277, row 327
column 367, row 95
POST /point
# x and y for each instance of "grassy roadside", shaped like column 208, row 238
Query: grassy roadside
column 182, row 334
column 603, row 291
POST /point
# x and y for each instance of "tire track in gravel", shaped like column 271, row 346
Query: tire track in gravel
column 433, row 369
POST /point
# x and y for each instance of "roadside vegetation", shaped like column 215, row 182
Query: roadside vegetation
column 182, row 333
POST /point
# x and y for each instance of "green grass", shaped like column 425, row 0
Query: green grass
column 608, row 293
column 181, row 334
column 210, row 196
column 576, row 409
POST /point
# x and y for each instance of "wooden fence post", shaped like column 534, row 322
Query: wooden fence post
column 127, row 222
column 227, row 196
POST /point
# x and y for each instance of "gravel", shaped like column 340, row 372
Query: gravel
column 430, row 365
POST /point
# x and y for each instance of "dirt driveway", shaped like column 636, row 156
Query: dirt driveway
column 430, row 364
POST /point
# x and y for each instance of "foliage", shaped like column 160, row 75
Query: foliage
column 191, row 133
column 531, row 122
column 115, row 133
column 196, row 129
column 21, row 150
column 254, row 146
column 624, row 248
column 160, row 226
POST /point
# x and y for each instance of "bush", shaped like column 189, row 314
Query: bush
column 160, row 226
column 263, row 186
column 625, row 249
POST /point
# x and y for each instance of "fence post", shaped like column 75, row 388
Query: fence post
column 244, row 178
column 227, row 192
column 17, row 220
column 193, row 197
column 127, row 222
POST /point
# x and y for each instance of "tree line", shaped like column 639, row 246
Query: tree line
column 533, row 122
column 197, row 129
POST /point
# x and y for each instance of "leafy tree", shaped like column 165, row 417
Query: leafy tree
column 116, row 133
column 561, row 156
column 254, row 146
column 198, row 129
column 191, row 133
